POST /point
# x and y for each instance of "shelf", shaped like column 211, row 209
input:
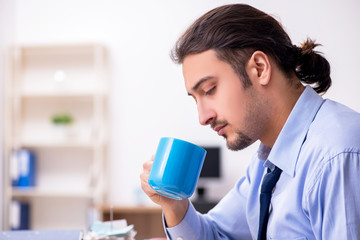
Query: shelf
column 62, row 94
column 35, row 193
column 36, row 49
column 46, row 81
column 60, row 144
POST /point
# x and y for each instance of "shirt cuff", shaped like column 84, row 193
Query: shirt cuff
column 186, row 228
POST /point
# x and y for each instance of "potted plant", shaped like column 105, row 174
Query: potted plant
column 62, row 121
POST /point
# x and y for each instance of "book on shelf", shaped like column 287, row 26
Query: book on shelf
column 23, row 168
column 19, row 215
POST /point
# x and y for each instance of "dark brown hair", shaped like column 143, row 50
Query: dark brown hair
column 235, row 31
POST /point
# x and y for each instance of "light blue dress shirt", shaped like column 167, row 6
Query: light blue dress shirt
column 318, row 193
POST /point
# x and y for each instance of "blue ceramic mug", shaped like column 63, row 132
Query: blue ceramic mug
column 176, row 168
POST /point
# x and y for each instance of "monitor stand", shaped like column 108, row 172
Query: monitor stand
column 201, row 194
column 201, row 203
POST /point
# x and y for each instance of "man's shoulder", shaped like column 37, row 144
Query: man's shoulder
column 333, row 140
column 335, row 126
column 334, row 132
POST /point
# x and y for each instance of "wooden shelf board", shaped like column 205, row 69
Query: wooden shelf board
column 61, row 47
column 35, row 192
column 62, row 94
column 60, row 144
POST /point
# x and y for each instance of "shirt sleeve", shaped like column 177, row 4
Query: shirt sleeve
column 227, row 220
column 333, row 201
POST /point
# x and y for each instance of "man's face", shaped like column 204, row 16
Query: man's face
column 237, row 114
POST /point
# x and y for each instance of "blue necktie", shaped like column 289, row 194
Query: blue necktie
column 267, row 186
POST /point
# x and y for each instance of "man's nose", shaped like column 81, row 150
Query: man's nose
column 206, row 114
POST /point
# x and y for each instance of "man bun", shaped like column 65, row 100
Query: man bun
column 311, row 67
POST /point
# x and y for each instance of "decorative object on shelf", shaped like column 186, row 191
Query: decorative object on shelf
column 62, row 119
column 62, row 123
column 59, row 78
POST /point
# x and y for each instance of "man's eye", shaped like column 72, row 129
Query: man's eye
column 210, row 91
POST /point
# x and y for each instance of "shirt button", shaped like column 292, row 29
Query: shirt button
column 179, row 238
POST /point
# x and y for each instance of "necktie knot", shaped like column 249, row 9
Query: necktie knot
column 269, row 180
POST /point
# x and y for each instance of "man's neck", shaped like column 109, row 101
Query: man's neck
column 283, row 100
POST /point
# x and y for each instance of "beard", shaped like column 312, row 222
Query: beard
column 256, row 117
column 241, row 141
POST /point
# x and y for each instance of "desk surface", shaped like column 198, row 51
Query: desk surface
column 41, row 235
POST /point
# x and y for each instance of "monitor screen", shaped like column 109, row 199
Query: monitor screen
column 211, row 167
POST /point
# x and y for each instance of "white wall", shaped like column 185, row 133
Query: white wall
column 148, row 99
column 6, row 37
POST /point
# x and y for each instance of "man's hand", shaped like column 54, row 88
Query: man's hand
column 174, row 210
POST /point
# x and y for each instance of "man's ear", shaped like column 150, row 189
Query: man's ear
column 259, row 68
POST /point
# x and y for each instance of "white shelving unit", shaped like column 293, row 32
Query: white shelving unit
column 49, row 80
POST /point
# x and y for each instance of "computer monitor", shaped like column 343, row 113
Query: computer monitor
column 211, row 167
column 211, row 171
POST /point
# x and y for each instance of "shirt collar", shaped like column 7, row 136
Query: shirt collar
column 286, row 149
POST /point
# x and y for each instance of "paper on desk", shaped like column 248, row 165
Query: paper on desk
column 116, row 228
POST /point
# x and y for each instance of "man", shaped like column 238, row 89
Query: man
column 251, row 83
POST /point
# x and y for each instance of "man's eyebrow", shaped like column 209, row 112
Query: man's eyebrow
column 201, row 81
